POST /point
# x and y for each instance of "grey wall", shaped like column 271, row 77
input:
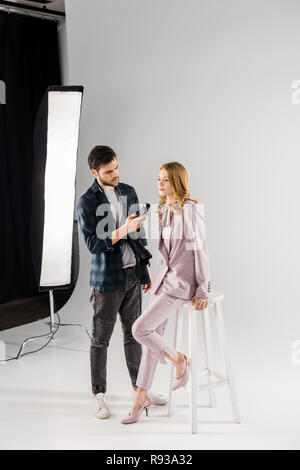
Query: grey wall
column 206, row 83
column 63, row 52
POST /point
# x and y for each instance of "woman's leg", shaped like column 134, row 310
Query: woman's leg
column 148, row 329
column 146, row 372
column 149, row 362
column 144, row 328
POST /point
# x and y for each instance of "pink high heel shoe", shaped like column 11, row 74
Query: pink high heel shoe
column 182, row 382
column 136, row 416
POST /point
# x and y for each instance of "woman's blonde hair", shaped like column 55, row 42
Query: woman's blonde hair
column 178, row 178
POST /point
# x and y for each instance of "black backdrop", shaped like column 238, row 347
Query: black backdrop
column 29, row 63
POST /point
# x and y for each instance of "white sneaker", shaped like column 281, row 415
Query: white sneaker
column 156, row 398
column 100, row 409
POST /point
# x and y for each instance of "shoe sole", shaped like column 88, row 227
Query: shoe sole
column 159, row 404
column 153, row 403
column 101, row 417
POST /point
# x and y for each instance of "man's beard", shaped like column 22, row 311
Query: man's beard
column 109, row 183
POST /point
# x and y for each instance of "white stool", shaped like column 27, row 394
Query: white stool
column 214, row 379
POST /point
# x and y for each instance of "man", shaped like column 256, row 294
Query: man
column 117, row 273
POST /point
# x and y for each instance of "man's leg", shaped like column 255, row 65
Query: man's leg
column 106, row 306
column 130, row 310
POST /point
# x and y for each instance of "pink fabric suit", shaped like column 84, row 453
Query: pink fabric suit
column 183, row 273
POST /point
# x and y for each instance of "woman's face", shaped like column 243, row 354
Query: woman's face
column 164, row 185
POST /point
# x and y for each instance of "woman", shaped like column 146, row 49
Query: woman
column 183, row 275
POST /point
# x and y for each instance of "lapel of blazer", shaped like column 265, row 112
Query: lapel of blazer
column 176, row 235
column 166, row 241
column 164, row 245
column 161, row 245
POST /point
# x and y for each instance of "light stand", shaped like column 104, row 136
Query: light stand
column 54, row 327
column 56, row 138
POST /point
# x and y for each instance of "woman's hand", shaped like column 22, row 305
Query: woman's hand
column 199, row 304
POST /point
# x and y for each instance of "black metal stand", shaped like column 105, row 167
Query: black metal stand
column 54, row 327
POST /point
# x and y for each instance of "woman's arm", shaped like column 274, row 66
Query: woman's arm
column 202, row 268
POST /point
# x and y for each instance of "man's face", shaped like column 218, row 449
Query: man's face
column 108, row 175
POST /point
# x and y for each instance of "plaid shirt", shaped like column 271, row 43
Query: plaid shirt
column 107, row 273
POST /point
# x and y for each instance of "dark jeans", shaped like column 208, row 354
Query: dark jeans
column 106, row 306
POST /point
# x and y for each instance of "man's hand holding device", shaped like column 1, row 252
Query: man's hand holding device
column 140, row 216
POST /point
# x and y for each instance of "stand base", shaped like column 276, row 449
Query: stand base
column 54, row 327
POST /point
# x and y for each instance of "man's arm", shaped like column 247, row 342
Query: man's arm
column 118, row 234
column 142, row 237
column 88, row 223
column 131, row 225
column 145, row 269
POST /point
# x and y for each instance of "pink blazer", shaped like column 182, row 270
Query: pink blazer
column 184, row 268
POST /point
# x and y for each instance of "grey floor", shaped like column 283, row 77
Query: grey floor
column 46, row 404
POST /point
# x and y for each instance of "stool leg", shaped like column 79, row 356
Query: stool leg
column 176, row 345
column 208, row 353
column 193, row 335
column 223, row 344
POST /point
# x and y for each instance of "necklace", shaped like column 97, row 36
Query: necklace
column 174, row 208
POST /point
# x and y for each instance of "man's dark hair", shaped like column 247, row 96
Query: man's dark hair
column 99, row 156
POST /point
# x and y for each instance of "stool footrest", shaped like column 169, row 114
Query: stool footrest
column 207, row 386
column 211, row 372
column 217, row 375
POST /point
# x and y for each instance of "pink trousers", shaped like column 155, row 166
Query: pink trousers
column 148, row 330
